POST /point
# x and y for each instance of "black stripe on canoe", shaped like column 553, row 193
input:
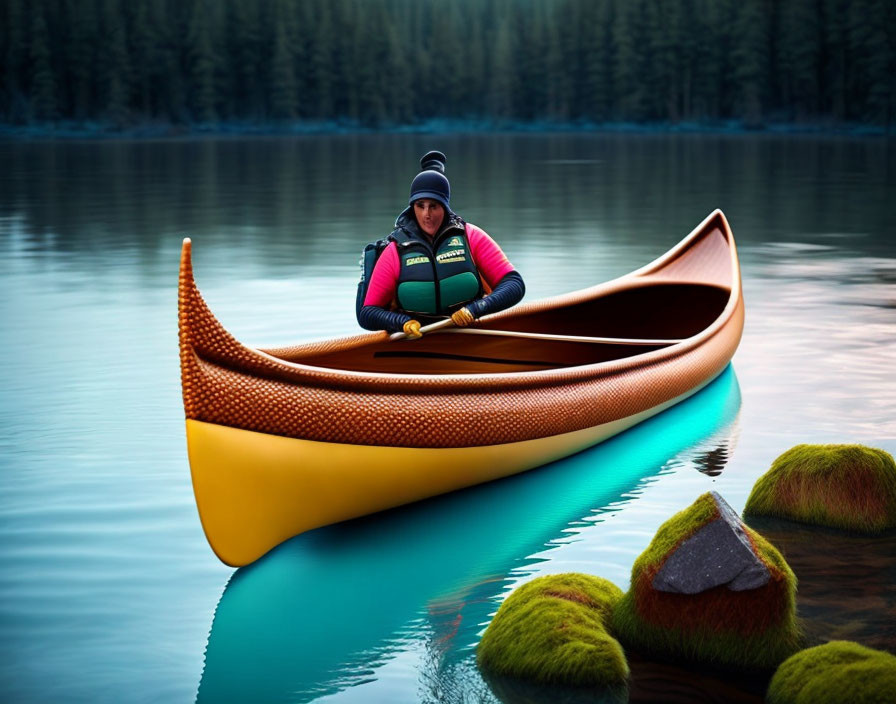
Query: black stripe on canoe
column 466, row 358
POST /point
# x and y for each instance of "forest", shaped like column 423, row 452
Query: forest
column 393, row 63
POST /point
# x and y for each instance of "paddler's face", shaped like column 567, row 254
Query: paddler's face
column 430, row 214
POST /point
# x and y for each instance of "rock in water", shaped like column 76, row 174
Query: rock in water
column 851, row 487
column 836, row 672
column 551, row 631
column 719, row 554
column 709, row 589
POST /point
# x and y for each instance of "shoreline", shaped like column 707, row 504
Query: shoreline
column 101, row 131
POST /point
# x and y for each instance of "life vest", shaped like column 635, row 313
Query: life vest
column 437, row 277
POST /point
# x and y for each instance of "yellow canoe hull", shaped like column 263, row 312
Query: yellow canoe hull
column 255, row 490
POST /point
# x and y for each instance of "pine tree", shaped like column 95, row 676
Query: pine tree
column 799, row 56
column 398, row 83
column 201, row 61
column 144, row 59
column 662, row 71
column 43, row 80
column 556, row 76
column 320, row 76
column 468, row 49
column 881, row 63
column 15, row 57
column 713, row 63
column 345, row 57
column 500, row 104
column 283, row 100
column 5, row 32
column 445, row 54
column 115, row 69
column 833, row 83
column 706, row 62
column 245, row 59
column 596, row 47
column 80, row 50
column 628, row 74
column 301, row 55
column 750, row 58
column 370, row 74
column 423, row 93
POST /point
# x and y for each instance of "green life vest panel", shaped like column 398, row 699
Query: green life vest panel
column 437, row 281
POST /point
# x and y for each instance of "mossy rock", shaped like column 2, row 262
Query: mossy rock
column 839, row 671
column 850, row 487
column 726, row 626
column 551, row 631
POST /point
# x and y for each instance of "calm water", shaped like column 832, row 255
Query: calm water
column 108, row 590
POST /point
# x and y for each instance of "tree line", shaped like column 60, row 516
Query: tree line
column 400, row 62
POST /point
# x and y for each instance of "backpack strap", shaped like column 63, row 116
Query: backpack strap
column 369, row 257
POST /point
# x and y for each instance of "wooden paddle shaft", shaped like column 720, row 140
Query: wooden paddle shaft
column 537, row 336
column 568, row 338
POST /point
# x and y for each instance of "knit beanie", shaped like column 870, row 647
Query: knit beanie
column 431, row 181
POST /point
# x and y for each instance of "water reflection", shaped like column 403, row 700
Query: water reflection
column 713, row 461
column 319, row 196
column 322, row 612
column 513, row 691
column 847, row 583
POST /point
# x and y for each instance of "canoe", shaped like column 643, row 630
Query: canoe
column 285, row 440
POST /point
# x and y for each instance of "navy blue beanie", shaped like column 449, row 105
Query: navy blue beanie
column 431, row 181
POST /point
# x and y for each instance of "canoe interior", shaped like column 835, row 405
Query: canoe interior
column 669, row 311
column 659, row 311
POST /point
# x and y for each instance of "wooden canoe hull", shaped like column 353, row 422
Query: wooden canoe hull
column 283, row 441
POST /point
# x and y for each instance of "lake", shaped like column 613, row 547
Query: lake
column 108, row 589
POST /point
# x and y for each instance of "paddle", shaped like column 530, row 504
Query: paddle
column 568, row 338
column 538, row 336
column 438, row 325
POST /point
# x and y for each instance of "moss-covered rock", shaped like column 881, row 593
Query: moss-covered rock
column 551, row 630
column 839, row 671
column 851, row 487
column 735, row 624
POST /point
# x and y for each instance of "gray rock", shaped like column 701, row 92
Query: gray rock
column 718, row 554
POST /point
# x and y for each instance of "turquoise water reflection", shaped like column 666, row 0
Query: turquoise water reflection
column 323, row 611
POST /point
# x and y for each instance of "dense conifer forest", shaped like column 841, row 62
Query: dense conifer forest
column 383, row 63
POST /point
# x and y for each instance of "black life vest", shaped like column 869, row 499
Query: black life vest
column 438, row 276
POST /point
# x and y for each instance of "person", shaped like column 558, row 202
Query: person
column 436, row 265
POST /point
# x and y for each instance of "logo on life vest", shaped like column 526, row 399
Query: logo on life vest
column 454, row 242
column 416, row 260
column 455, row 255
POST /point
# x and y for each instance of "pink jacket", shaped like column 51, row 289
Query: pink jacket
column 487, row 256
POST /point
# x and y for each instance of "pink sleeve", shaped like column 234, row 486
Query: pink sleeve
column 487, row 255
column 381, row 288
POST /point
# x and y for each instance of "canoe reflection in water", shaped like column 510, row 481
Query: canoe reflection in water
column 321, row 612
